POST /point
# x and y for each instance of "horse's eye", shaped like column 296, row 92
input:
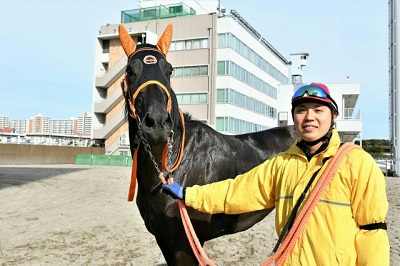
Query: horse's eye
column 170, row 70
column 129, row 72
column 138, row 103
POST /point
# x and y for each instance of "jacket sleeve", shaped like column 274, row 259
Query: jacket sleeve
column 369, row 205
column 250, row 191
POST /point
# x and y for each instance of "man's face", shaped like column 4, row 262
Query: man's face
column 312, row 120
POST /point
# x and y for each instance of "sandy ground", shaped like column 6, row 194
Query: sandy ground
column 78, row 215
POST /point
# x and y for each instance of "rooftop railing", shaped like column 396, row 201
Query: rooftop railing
column 156, row 12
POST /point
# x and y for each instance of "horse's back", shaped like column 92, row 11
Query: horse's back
column 214, row 156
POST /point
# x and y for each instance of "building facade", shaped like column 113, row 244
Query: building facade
column 225, row 73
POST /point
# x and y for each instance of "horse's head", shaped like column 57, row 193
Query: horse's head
column 148, row 94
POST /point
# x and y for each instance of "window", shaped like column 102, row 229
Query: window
column 175, row 9
column 180, row 45
column 235, row 125
column 196, row 44
column 228, row 40
column 150, row 12
column 236, row 71
column 190, row 71
column 221, row 96
column 196, row 71
column 204, row 70
column 178, row 72
column 106, row 46
column 190, row 44
column 185, row 99
column 192, row 98
column 243, row 101
column 187, row 71
column 221, row 68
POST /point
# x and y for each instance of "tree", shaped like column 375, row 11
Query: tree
column 378, row 148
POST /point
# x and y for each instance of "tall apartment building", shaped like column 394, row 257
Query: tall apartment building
column 84, row 124
column 225, row 73
column 39, row 124
column 62, row 126
column 20, row 125
column 4, row 122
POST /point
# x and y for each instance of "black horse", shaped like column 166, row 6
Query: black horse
column 202, row 156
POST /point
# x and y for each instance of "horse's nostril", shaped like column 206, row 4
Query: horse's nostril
column 149, row 121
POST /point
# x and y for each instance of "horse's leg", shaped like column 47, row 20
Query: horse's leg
column 181, row 256
column 167, row 252
column 184, row 258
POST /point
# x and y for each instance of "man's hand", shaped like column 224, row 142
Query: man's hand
column 174, row 189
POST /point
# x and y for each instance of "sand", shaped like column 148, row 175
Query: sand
column 78, row 215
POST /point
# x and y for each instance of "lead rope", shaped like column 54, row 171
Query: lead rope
column 287, row 246
column 198, row 250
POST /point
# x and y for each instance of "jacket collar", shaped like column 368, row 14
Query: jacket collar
column 333, row 146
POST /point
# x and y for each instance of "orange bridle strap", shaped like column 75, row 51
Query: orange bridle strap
column 146, row 49
column 180, row 152
column 133, row 113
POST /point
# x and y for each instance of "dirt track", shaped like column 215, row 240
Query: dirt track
column 78, row 215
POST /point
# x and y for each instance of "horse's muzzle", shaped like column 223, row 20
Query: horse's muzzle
column 156, row 126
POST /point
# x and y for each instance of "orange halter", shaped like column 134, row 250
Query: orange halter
column 133, row 113
column 131, row 100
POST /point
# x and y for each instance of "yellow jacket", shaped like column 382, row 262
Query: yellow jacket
column 356, row 196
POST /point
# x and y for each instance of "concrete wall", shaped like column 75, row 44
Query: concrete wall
column 42, row 154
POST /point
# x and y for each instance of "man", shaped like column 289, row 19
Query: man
column 347, row 226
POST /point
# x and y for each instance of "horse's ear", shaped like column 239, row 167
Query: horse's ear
column 165, row 40
column 126, row 40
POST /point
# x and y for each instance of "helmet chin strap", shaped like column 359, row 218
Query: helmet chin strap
column 327, row 136
column 315, row 142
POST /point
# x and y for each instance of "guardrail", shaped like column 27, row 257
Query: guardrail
column 103, row 160
column 386, row 165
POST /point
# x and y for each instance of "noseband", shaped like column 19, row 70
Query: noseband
column 132, row 99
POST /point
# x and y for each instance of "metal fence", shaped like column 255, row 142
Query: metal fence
column 103, row 160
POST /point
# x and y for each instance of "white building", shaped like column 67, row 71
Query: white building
column 225, row 73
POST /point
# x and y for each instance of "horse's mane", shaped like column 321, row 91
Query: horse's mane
column 188, row 116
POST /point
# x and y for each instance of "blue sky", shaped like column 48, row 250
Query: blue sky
column 47, row 50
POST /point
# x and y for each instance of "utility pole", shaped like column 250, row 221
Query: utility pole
column 394, row 92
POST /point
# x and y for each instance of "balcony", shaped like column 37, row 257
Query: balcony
column 112, row 74
column 349, row 124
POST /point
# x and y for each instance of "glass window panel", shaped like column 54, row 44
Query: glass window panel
column 172, row 46
column 179, row 98
column 195, row 98
column 185, row 98
column 178, row 72
column 204, row 43
column 196, row 44
column 221, row 68
column 223, row 40
column 196, row 71
column 220, row 96
column 203, row 70
column 188, row 45
column 180, row 45
column 187, row 71
column 220, row 124
column 203, row 98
